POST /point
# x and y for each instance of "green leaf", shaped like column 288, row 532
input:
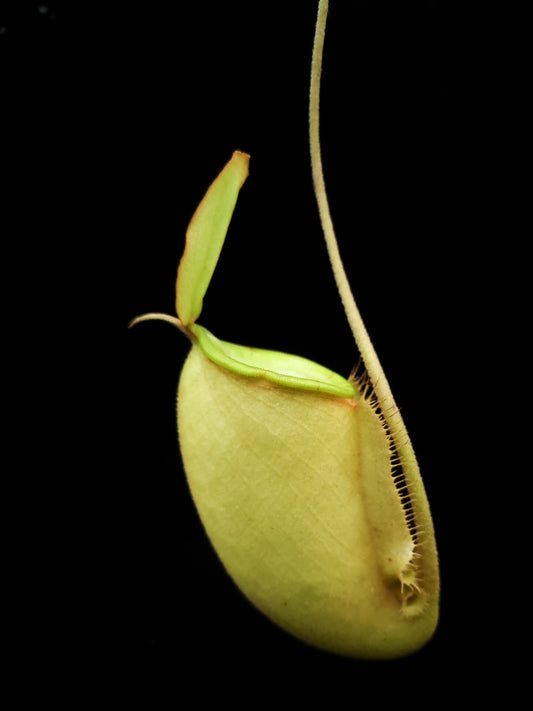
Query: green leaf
column 205, row 238
column 281, row 368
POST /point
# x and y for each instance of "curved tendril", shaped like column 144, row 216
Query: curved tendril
column 363, row 342
column 164, row 317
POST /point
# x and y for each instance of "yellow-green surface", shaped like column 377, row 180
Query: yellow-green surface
column 295, row 491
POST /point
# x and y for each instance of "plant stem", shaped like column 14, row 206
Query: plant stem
column 400, row 444
column 366, row 349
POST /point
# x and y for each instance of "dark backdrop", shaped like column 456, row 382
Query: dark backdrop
column 119, row 115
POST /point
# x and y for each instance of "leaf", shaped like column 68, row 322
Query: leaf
column 281, row 368
column 205, row 238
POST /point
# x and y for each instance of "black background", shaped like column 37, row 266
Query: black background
column 118, row 117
